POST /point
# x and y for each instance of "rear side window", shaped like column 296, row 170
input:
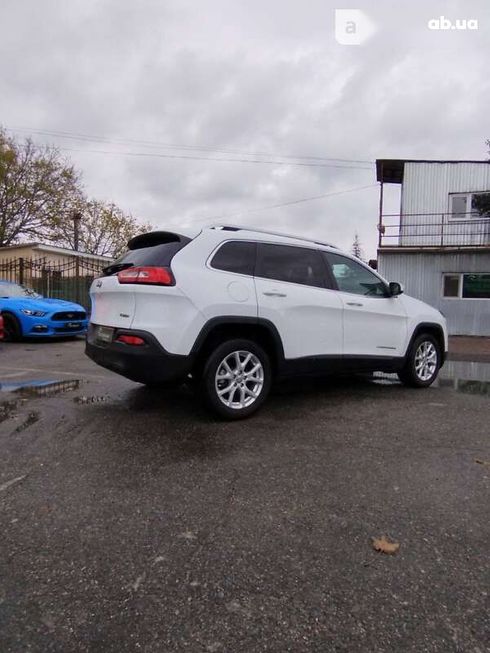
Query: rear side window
column 235, row 256
column 293, row 264
column 154, row 249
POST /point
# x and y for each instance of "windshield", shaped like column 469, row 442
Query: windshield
column 8, row 289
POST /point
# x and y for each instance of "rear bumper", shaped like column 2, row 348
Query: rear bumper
column 149, row 363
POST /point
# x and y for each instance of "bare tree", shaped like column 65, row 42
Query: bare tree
column 104, row 229
column 38, row 188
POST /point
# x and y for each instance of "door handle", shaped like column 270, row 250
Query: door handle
column 275, row 294
column 354, row 304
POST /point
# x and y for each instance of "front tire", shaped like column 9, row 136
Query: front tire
column 11, row 327
column 236, row 379
column 422, row 363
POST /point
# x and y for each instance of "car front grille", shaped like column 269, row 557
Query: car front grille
column 70, row 315
column 66, row 329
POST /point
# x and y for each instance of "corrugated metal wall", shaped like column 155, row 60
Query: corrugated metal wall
column 425, row 190
column 421, row 274
column 426, row 186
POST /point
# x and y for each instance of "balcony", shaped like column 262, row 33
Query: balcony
column 434, row 230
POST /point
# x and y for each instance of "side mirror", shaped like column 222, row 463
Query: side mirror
column 395, row 288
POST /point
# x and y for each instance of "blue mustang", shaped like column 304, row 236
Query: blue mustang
column 27, row 314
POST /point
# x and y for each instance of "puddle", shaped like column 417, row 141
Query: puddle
column 40, row 388
column 463, row 376
column 466, row 371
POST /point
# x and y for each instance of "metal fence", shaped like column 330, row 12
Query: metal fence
column 433, row 230
column 70, row 280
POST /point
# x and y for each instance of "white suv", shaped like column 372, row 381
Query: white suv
column 234, row 307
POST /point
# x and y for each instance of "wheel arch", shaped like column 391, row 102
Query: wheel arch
column 433, row 329
column 217, row 330
column 8, row 314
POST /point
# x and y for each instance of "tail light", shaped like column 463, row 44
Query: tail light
column 147, row 275
column 131, row 340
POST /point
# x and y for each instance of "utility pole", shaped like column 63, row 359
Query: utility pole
column 77, row 218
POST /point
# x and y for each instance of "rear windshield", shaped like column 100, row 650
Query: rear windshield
column 155, row 249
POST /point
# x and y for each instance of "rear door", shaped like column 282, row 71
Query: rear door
column 115, row 304
column 375, row 323
column 112, row 303
column 229, row 283
column 293, row 293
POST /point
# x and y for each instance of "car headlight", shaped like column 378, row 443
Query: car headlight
column 27, row 311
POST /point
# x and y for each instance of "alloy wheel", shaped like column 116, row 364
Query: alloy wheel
column 239, row 379
column 425, row 360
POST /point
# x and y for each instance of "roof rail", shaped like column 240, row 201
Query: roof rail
column 236, row 227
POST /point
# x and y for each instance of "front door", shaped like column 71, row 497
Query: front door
column 375, row 323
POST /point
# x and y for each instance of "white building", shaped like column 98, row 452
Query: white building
column 438, row 245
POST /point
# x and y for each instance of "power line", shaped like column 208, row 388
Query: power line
column 206, row 158
column 298, row 201
column 153, row 144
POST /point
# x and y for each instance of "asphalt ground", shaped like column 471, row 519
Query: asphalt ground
column 131, row 520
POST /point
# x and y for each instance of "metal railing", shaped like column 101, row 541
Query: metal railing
column 70, row 280
column 434, row 230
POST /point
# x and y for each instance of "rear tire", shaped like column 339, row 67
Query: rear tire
column 422, row 363
column 236, row 379
column 11, row 328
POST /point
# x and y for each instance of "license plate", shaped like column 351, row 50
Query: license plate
column 104, row 334
column 73, row 325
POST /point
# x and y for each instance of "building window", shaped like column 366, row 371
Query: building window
column 466, row 286
column 470, row 205
column 451, row 285
column 476, row 286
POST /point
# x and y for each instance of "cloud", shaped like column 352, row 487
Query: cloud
column 246, row 76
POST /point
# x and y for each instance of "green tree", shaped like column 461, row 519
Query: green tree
column 104, row 229
column 481, row 204
column 356, row 248
column 38, row 189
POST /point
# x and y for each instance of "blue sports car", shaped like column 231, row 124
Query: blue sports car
column 27, row 314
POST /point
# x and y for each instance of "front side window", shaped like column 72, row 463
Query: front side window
column 235, row 256
column 466, row 286
column 354, row 278
column 293, row 264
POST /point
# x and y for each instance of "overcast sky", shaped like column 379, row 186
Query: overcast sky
column 260, row 80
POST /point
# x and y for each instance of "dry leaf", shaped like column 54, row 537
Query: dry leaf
column 384, row 545
column 482, row 462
